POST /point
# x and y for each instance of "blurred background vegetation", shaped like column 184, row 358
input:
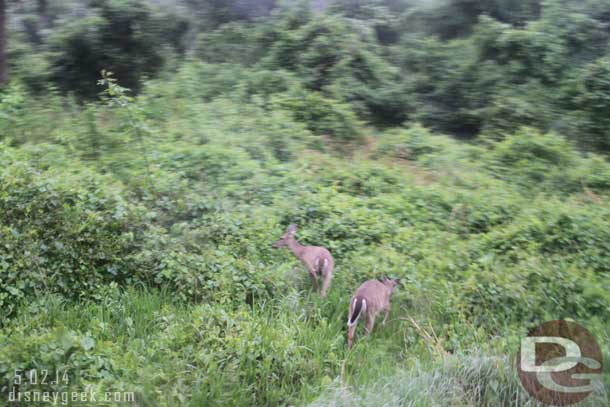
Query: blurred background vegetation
column 151, row 152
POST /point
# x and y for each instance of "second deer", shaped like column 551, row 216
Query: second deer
column 318, row 260
column 371, row 298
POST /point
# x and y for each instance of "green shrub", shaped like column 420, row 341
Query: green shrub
column 204, row 81
column 531, row 158
column 409, row 144
column 571, row 230
column 230, row 43
column 126, row 37
column 593, row 172
column 12, row 112
column 322, row 116
column 592, row 102
column 66, row 233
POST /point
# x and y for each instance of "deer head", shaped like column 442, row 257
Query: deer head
column 391, row 283
column 286, row 237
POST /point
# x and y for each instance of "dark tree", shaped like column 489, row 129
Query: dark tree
column 43, row 12
column 3, row 65
column 214, row 13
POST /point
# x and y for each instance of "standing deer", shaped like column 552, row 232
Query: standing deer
column 318, row 260
column 371, row 298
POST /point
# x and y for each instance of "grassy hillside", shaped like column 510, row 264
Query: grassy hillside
column 136, row 252
column 459, row 145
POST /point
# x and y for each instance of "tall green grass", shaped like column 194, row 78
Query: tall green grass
column 176, row 294
column 287, row 351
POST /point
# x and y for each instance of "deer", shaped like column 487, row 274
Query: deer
column 318, row 260
column 371, row 298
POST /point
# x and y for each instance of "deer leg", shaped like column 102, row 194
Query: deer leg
column 385, row 317
column 370, row 322
column 350, row 336
column 326, row 277
column 314, row 280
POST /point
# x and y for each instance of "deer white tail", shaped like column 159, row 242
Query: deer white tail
column 358, row 307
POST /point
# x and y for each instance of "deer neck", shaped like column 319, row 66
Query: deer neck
column 390, row 291
column 296, row 248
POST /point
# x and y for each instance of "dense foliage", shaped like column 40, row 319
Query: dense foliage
column 136, row 225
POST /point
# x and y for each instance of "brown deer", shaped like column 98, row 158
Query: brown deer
column 371, row 298
column 318, row 260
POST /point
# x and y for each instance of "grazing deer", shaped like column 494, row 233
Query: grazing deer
column 371, row 298
column 318, row 260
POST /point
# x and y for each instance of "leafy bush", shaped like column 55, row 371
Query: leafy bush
column 322, row 116
column 592, row 102
column 570, row 230
column 126, row 37
column 12, row 111
column 409, row 144
column 61, row 233
column 530, row 158
column 230, row 43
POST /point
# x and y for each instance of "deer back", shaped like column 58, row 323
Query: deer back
column 376, row 294
column 317, row 258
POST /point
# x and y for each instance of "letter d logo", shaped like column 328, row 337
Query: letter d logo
column 528, row 354
column 558, row 363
